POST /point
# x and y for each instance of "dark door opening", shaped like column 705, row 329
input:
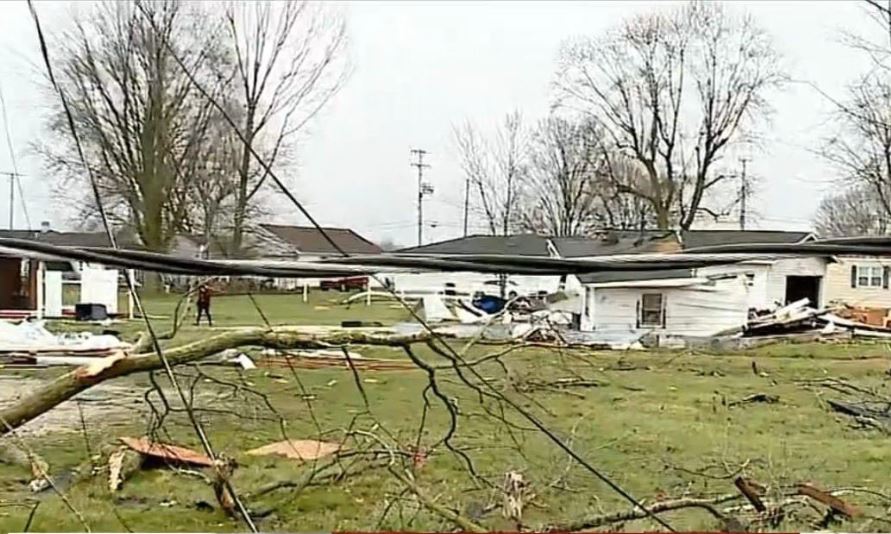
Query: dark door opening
column 801, row 287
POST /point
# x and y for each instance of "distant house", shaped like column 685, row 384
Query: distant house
column 310, row 244
column 307, row 243
column 32, row 283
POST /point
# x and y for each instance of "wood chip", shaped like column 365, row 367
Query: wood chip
column 298, row 449
column 115, row 462
column 167, row 452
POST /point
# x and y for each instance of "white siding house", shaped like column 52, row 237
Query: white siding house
column 670, row 307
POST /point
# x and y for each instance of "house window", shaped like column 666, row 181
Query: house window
column 869, row 276
column 651, row 310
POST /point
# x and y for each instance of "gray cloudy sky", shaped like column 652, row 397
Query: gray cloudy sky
column 419, row 68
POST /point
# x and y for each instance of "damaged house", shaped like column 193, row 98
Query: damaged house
column 686, row 302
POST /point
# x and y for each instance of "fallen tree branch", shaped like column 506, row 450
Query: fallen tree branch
column 82, row 378
column 465, row 523
column 655, row 508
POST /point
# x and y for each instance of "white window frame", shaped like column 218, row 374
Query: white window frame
column 643, row 310
column 870, row 276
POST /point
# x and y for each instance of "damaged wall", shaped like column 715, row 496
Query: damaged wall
column 758, row 296
column 802, row 266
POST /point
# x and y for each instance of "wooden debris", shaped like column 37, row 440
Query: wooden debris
column 751, row 491
column 167, row 452
column 514, row 490
column 864, row 415
column 223, row 469
column 829, row 500
column 121, row 464
column 298, row 449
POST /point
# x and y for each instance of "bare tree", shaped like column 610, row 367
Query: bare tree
column 861, row 149
column 288, row 59
column 142, row 126
column 674, row 90
column 852, row 212
column 569, row 188
column 495, row 168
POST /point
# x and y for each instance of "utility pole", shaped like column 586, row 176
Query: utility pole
column 423, row 189
column 743, row 194
column 466, row 203
column 12, row 178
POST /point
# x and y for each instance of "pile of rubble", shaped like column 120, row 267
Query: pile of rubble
column 800, row 318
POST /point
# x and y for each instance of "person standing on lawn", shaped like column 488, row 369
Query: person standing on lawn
column 203, row 305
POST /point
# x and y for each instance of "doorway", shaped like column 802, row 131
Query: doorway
column 801, row 287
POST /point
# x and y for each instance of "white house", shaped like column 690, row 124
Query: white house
column 669, row 303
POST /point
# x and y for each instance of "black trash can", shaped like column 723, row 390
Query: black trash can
column 90, row 312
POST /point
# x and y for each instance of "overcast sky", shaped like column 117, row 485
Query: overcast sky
column 419, row 68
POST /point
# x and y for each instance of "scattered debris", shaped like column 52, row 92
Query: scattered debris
column 322, row 359
column 167, row 452
column 874, row 417
column 31, row 338
column 361, row 324
column 756, row 397
column 298, row 449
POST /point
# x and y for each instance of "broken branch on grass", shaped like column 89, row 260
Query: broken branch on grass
column 82, row 378
column 655, row 508
column 459, row 520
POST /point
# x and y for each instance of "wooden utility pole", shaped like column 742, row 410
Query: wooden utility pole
column 13, row 176
column 743, row 195
column 423, row 189
column 466, row 203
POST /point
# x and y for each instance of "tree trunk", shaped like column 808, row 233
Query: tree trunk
column 241, row 198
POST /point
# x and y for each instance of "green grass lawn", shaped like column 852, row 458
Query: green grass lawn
column 662, row 424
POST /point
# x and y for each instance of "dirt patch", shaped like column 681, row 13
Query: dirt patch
column 105, row 403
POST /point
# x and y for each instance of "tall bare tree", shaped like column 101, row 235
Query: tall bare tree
column 674, row 90
column 569, row 188
column 142, row 125
column 289, row 62
column 860, row 149
column 855, row 211
column 495, row 167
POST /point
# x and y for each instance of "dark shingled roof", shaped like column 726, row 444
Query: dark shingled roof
column 616, row 242
column 62, row 239
column 513, row 245
column 309, row 240
column 634, row 276
column 708, row 238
